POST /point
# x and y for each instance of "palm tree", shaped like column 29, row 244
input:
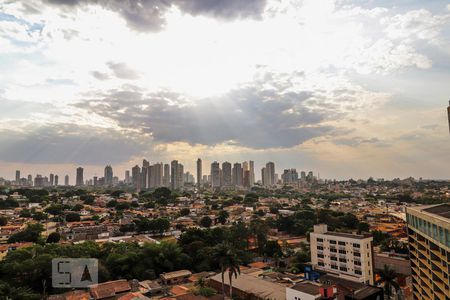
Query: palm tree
column 388, row 276
column 232, row 263
column 228, row 260
column 220, row 254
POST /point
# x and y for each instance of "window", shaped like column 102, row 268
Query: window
column 333, row 258
column 321, row 264
column 342, row 251
column 358, row 272
column 319, row 240
column 341, row 243
column 356, row 245
column 333, row 250
column 357, row 254
column 332, row 242
column 334, row 267
column 343, row 269
column 342, row 260
column 320, row 248
column 357, row 263
column 320, row 255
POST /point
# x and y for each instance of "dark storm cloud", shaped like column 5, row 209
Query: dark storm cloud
column 122, row 71
column 148, row 15
column 250, row 117
column 68, row 143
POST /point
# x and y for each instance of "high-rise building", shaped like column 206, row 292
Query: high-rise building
column 108, row 175
column 66, row 180
column 289, row 176
column 264, row 176
column 448, row 113
column 176, row 174
column 145, row 163
column 237, row 174
column 226, row 174
column 303, row 175
column 56, row 180
column 246, row 179
column 199, row 172
column 156, row 175
column 251, row 165
column 95, row 181
column 215, row 175
column 349, row 256
column 270, row 173
column 79, row 179
column 52, row 179
column 145, row 176
column 429, row 250
column 136, row 177
column 127, row 177
column 166, row 175
column 39, row 181
column 17, row 176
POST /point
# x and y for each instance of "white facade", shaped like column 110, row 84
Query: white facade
column 348, row 255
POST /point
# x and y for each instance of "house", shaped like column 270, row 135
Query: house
column 110, row 289
column 175, row 277
column 249, row 287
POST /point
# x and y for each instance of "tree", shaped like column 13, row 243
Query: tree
column 272, row 249
column 184, row 212
column 31, row 233
column 223, row 216
column 17, row 293
column 388, row 277
column 54, row 209
column 363, row 227
column 3, row 221
column 53, row 237
column 39, row 216
column 228, row 260
column 206, row 222
column 73, row 217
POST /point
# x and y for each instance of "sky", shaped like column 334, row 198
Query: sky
column 347, row 89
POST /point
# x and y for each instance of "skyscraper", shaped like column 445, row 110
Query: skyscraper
column 136, row 177
column 448, row 113
column 429, row 250
column 226, row 174
column 199, row 172
column 127, row 177
column 176, row 174
column 66, row 180
column 251, row 164
column 236, row 175
column 215, row 175
column 56, row 180
column 17, row 176
column 52, row 179
column 270, row 173
column 108, row 175
column 166, row 175
column 79, row 179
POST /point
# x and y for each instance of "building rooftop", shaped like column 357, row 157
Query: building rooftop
column 442, row 210
column 307, row 288
column 347, row 235
column 256, row 286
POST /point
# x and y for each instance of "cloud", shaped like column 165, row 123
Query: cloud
column 357, row 141
column 149, row 15
column 266, row 113
column 416, row 24
column 122, row 71
column 68, row 143
column 100, row 75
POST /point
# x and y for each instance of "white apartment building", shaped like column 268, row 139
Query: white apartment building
column 349, row 256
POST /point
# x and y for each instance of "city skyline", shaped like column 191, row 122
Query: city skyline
column 350, row 88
